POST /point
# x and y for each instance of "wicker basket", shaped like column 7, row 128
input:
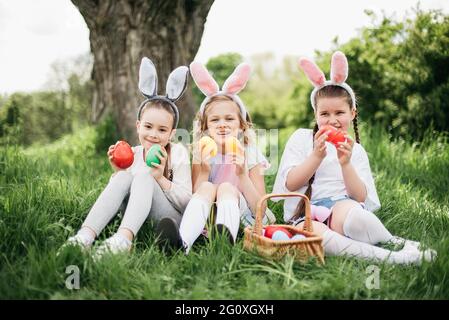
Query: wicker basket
column 301, row 249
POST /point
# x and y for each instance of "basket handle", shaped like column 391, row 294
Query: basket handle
column 261, row 204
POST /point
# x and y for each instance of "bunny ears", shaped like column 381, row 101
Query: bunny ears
column 176, row 85
column 339, row 74
column 232, row 86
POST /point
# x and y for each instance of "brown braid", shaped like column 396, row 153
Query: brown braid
column 356, row 127
column 168, row 173
column 300, row 210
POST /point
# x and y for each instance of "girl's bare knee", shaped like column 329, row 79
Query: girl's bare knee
column 344, row 206
column 318, row 227
column 226, row 189
column 339, row 213
column 206, row 185
column 207, row 191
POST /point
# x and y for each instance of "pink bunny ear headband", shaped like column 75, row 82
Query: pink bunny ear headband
column 339, row 74
column 233, row 84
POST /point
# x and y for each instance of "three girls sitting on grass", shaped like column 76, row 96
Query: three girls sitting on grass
column 337, row 177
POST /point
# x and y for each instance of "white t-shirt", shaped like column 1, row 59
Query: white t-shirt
column 328, row 178
column 180, row 191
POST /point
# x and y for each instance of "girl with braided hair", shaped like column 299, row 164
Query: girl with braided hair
column 337, row 176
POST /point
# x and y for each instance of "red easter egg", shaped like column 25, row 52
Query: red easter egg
column 339, row 136
column 122, row 156
column 269, row 230
column 334, row 136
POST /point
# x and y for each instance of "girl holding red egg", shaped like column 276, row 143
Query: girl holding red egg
column 333, row 170
column 158, row 190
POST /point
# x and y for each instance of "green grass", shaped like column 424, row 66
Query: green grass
column 46, row 192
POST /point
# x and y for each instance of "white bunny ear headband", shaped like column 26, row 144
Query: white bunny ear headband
column 176, row 85
column 339, row 74
column 232, row 86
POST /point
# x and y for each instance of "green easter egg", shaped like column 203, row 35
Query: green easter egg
column 151, row 155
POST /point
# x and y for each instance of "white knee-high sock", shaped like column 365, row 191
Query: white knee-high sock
column 335, row 245
column 228, row 214
column 193, row 220
column 365, row 226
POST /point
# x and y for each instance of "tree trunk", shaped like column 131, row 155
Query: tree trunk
column 124, row 31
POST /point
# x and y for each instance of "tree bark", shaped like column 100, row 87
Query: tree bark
column 121, row 33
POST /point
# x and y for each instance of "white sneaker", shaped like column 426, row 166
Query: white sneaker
column 398, row 241
column 411, row 248
column 185, row 248
column 79, row 240
column 115, row 244
column 428, row 255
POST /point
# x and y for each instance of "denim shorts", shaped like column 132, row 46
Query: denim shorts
column 328, row 202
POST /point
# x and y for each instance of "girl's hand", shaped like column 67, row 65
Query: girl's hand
column 238, row 159
column 204, row 154
column 157, row 171
column 319, row 144
column 109, row 153
column 344, row 150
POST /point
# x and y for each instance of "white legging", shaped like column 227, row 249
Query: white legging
column 146, row 199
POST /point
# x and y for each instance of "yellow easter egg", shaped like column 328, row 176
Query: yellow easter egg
column 207, row 143
column 232, row 146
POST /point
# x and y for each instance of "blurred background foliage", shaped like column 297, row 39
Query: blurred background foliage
column 398, row 69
